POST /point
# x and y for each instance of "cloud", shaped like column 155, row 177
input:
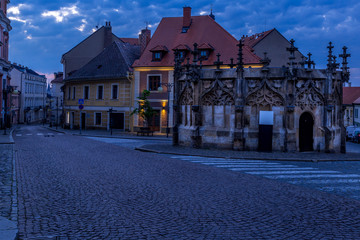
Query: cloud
column 16, row 10
column 62, row 13
column 82, row 26
column 18, row 19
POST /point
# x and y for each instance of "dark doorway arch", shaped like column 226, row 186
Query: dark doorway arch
column 306, row 129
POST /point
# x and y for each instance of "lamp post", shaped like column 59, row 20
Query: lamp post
column 168, row 88
column 6, row 91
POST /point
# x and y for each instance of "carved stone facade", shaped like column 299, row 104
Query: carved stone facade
column 226, row 108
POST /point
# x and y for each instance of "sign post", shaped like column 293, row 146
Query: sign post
column 81, row 106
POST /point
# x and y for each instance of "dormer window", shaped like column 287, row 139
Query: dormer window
column 156, row 56
column 158, row 53
column 182, row 50
column 204, row 54
column 205, row 50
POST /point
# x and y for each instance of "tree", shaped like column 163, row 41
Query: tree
column 145, row 111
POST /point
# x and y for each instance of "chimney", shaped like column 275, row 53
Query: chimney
column 107, row 35
column 186, row 17
column 144, row 38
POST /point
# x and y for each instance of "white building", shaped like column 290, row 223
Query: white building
column 33, row 93
column 57, row 97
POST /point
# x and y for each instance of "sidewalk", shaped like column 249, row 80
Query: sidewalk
column 168, row 148
column 8, row 191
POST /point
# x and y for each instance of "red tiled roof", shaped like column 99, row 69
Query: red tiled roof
column 59, row 79
column 132, row 41
column 182, row 47
column 159, row 48
column 205, row 46
column 350, row 94
column 357, row 101
column 252, row 40
column 203, row 29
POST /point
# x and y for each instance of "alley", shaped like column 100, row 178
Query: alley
column 73, row 187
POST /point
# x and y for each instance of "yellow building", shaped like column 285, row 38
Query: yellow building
column 104, row 88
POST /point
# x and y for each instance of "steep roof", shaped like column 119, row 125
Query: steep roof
column 350, row 94
column 132, row 41
column 203, row 30
column 58, row 79
column 26, row 70
column 252, row 40
column 114, row 62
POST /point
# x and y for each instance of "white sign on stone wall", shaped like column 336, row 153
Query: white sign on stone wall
column 266, row 118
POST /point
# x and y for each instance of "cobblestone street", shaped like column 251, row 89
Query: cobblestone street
column 77, row 188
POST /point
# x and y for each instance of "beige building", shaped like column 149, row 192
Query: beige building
column 89, row 48
column 105, row 87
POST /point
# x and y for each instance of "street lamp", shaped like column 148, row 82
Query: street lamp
column 168, row 88
column 6, row 91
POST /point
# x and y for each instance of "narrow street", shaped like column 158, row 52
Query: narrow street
column 74, row 187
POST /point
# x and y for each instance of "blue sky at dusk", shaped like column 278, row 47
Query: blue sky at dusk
column 44, row 29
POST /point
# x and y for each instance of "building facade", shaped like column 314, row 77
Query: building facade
column 350, row 103
column 155, row 68
column 32, row 100
column 57, row 97
column 5, row 66
column 104, row 88
column 89, row 48
column 268, row 109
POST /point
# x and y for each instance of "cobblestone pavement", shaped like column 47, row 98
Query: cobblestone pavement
column 5, row 179
column 8, row 201
column 76, row 188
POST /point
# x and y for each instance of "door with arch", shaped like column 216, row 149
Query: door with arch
column 306, row 129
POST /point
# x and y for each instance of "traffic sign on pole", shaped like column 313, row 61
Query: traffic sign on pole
column 81, row 107
column 81, row 101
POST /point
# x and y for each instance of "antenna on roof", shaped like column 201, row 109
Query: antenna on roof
column 211, row 12
column 147, row 24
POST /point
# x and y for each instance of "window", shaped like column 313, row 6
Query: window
column 204, row 54
column 157, row 56
column 114, row 91
column 86, row 92
column 97, row 118
column 153, row 82
column 69, row 92
column 356, row 113
column 100, row 91
column 73, row 95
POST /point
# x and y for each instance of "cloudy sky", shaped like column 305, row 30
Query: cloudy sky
column 44, row 29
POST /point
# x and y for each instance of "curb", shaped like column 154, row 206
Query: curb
column 110, row 136
column 141, row 149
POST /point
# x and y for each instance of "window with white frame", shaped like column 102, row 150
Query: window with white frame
column 114, row 91
column 74, row 93
column 97, row 118
column 100, row 92
column 86, row 92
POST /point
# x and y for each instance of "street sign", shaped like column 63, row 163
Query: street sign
column 81, row 101
column 81, row 107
